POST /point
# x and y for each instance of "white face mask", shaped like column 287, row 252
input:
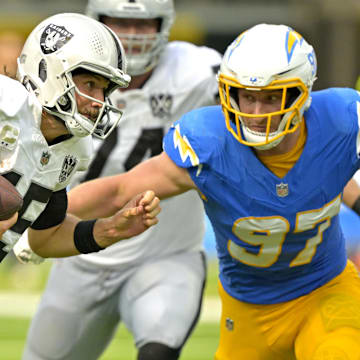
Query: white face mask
column 142, row 51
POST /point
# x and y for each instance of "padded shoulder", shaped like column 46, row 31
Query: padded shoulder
column 13, row 96
column 197, row 137
column 186, row 64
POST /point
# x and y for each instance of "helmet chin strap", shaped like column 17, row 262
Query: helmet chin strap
column 253, row 138
column 270, row 145
column 77, row 126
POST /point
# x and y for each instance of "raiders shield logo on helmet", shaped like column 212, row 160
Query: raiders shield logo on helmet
column 53, row 38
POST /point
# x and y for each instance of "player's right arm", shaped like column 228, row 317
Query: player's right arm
column 72, row 236
column 104, row 196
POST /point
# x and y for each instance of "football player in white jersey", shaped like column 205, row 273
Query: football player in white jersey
column 152, row 283
column 67, row 69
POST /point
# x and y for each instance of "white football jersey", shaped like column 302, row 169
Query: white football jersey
column 184, row 79
column 27, row 161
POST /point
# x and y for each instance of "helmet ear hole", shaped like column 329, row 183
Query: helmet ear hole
column 43, row 70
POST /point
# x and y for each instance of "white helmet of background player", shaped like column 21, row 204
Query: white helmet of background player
column 267, row 57
column 57, row 47
column 150, row 46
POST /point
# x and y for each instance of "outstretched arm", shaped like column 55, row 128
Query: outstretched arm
column 60, row 241
column 104, row 196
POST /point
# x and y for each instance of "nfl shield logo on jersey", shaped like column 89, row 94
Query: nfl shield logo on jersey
column 161, row 105
column 229, row 324
column 282, row 190
column 45, row 157
column 67, row 167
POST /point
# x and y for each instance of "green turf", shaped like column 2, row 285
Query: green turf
column 201, row 345
column 15, row 277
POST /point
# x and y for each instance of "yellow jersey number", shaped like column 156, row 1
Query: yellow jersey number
column 269, row 234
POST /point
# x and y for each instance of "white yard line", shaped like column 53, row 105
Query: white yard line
column 24, row 305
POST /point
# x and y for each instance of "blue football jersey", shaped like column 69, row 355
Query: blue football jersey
column 276, row 238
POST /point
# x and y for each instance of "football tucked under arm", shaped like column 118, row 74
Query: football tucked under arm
column 10, row 199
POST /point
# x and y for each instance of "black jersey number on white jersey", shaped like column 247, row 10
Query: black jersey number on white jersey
column 35, row 192
column 149, row 142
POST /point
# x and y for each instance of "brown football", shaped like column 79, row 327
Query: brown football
column 10, row 199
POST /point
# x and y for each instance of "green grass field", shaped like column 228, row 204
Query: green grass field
column 201, row 346
column 24, row 282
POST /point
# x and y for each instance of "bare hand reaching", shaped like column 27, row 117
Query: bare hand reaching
column 7, row 224
column 134, row 218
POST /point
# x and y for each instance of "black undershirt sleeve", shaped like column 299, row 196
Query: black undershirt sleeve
column 54, row 212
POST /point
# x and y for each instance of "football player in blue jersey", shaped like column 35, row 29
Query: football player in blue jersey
column 270, row 164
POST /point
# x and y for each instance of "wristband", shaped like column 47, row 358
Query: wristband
column 356, row 206
column 84, row 239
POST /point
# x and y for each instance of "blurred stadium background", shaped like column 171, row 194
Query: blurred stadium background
column 331, row 26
